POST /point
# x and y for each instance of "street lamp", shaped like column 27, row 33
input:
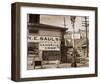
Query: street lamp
column 72, row 18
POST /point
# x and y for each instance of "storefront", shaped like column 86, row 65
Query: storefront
column 44, row 44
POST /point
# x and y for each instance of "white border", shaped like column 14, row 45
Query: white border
column 24, row 73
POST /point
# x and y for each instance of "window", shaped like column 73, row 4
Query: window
column 33, row 48
column 32, row 31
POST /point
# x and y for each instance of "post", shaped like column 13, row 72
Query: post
column 72, row 18
column 86, row 26
column 63, row 48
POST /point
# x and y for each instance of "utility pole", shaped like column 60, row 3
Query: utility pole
column 86, row 25
column 72, row 18
column 63, row 48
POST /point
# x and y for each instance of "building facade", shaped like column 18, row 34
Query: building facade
column 44, row 44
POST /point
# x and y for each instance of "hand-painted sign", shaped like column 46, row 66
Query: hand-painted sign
column 46, row 42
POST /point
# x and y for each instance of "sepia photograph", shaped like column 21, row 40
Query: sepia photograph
column 57, row 41
column 53, row 41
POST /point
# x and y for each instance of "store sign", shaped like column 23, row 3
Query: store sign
column 77, row 36
column 46, row 42
column 34, row 38
column 70, row 35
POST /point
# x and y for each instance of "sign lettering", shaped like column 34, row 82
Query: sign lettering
column 46, row 42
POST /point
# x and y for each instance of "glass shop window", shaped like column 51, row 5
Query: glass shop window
column 33, row 49
column 33, row 31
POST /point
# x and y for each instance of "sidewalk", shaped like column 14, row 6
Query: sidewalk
column 64, row 65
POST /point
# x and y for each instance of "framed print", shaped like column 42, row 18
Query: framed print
column 53, row 41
